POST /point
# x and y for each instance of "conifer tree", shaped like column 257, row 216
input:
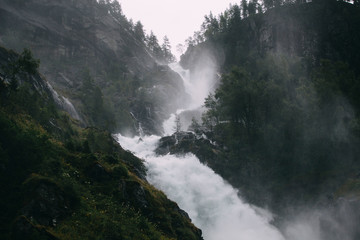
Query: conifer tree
column 268, row 4
column 177, row 123
column 244, row 7
column 166, row 49
column 252, row 7
column 153, row 45
column 139, row 31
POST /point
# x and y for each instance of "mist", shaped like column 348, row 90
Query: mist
column 199, row 81
column 331, row 222
column 212, row 204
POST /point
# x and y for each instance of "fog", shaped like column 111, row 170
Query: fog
column 214, row 205
column 331, row 222
column 198, row 83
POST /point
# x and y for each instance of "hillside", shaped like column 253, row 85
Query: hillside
column 93, row 55
column 281, row 125
column 312, row 31
column 285, row 117
column 61, row 181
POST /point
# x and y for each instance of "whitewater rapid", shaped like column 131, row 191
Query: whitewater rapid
column 212, row 204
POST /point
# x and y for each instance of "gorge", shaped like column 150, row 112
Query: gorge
column 253, row 134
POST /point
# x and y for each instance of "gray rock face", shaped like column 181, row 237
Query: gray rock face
column 165, row 145
column 133, row 192
column 185, row 142
column 70, row 37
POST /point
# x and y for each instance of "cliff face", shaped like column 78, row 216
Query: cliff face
column 73, row 37
column 61, row 181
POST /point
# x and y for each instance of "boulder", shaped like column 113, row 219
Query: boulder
column 134, row 193
column 165, row 144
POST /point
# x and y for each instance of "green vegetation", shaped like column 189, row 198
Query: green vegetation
column 60, row 181
column 286, row 130
column 286, row 113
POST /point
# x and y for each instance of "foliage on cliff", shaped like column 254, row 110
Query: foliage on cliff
column 60, row 181
column 287, row 108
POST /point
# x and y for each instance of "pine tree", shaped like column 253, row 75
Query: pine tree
column 153, row 45
column 244, row 7
column 177, row 123
column 235, row 16
column 268, row 4
column 252, row 7
column 166, row 50
column 195, row 126
column 139, row 31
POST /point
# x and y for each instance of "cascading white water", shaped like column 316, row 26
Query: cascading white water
column 199, row 89
column 212, row 204
column 64, row 103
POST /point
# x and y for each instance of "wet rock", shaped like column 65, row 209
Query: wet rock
column 134, row 193
column 183, row 142
column 184, row 214
column 185, row 136
column 140, row 174
column 165, row 144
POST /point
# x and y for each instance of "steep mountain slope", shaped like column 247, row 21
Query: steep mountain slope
column 313, row 31
column 285, row 118
column 61, row 181
column 90, row 50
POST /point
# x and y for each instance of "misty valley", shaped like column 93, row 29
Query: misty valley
column 252, row 134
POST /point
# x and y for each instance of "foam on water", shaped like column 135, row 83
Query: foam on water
column 212, row 204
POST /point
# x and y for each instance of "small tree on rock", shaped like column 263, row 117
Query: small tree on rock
column 177, row 123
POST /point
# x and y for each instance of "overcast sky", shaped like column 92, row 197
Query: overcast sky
column 178, row 19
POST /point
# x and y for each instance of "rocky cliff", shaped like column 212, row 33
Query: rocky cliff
column 61, row 181
column 76, row 40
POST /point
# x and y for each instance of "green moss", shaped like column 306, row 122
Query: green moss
column 97, row 208
column 82, row 177
column 120, row 172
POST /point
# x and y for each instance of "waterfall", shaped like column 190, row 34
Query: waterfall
column 212, row 204
column 198, row 86
column 64, row 103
